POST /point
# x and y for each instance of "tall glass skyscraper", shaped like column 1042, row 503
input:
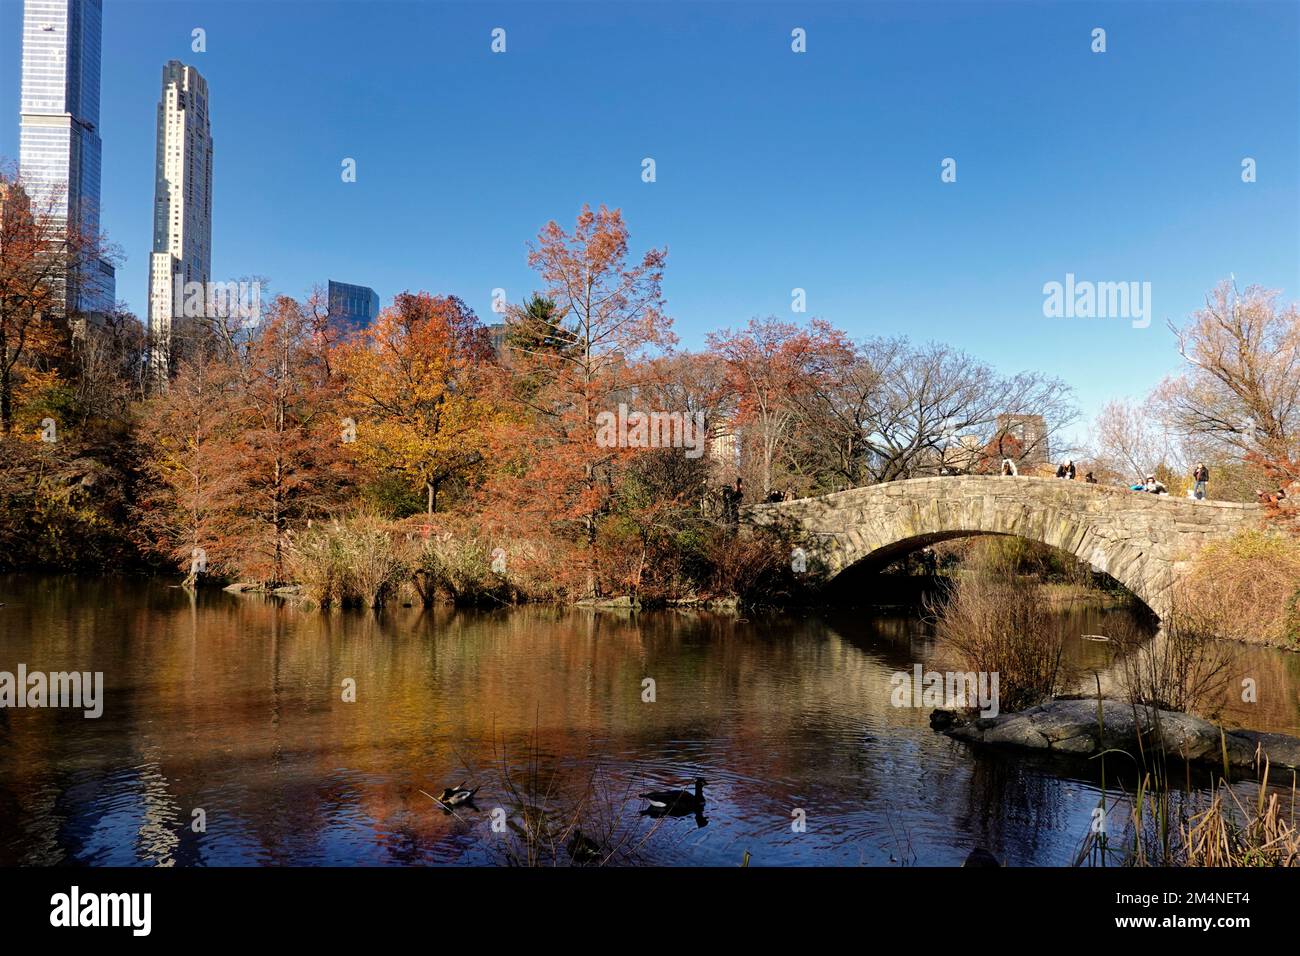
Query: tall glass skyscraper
column 352, row 306
column 59, row 147
column 182, row 207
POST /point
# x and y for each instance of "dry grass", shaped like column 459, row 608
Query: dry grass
column 1000, row 624
column 452, row 562
column 347, row 563
column 1247, row 588
column 1184, row 667
column 1201, row 830
column 1226, row 833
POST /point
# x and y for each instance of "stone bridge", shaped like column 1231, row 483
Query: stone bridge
column 1141, row 540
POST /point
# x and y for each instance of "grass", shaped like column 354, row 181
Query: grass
column 1172, row 825
column 352, row 562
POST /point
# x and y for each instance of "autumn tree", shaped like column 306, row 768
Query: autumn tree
column 288, row 445
column 771, row 365
column 190, row 431
column 248, row 443
column 1239, row 391
column 608, row 316
column 38, row 251
column 419, row 386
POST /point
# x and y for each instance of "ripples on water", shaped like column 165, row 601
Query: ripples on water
column 233, row 705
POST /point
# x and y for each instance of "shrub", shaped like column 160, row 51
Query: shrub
column 349, row 562
column 458, row 569
column 1182, row 667
column 754, row 567
column 1246, row 588
column 452, row 561
column 1001, row 624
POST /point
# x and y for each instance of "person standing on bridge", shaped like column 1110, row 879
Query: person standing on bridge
column 1009, row 468
column 1200, row 475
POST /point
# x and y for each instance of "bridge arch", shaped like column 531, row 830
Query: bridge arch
column 1143, row 541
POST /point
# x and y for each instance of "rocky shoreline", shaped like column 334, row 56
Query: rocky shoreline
column 1070, row 726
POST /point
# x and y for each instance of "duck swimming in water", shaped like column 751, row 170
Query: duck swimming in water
column 677, row 802
column 455, row 796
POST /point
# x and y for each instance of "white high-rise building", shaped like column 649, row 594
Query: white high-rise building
column 59, row 146
column 182, row 208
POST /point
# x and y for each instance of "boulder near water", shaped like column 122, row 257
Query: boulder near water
column 1074, row 726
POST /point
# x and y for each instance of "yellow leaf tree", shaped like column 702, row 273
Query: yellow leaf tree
column 420, row 386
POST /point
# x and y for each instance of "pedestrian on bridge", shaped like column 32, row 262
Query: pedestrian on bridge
column 1200, row 475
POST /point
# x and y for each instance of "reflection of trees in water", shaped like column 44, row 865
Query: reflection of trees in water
column 1017, row 811
column 234, row 704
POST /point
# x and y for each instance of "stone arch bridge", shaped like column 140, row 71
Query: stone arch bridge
column 1143, row 541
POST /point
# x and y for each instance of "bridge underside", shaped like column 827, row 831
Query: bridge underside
column 883, row 557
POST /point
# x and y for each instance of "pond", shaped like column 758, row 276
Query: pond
column 230, row 712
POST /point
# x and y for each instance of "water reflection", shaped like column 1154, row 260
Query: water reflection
column 234, row 707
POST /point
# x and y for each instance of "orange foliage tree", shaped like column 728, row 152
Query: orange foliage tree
column 249, row 443
column 557, row 478
column 770, row 364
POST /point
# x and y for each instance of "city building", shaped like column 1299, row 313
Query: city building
column 59, row 146
column 497, row 332
column 1030, row 434
column 352, row 306
column 181, row 260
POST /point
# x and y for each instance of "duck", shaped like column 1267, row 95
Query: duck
column 583, row 849
column 677, row 802
column 455, row 796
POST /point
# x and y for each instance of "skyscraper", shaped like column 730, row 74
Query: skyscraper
column 352, row 306
column 182, row 207
column 59, row 147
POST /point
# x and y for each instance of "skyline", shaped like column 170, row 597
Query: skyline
column 60, row 149
column 774, row 170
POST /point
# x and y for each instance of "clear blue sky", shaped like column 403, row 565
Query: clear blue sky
column 775, row 170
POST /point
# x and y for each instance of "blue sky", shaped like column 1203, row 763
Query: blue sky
column 775, row 170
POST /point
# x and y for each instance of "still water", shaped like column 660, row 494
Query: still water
column 233, row 706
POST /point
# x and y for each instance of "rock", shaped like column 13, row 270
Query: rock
column 1281, row 750
column 1072, row 727
column 622, row 601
